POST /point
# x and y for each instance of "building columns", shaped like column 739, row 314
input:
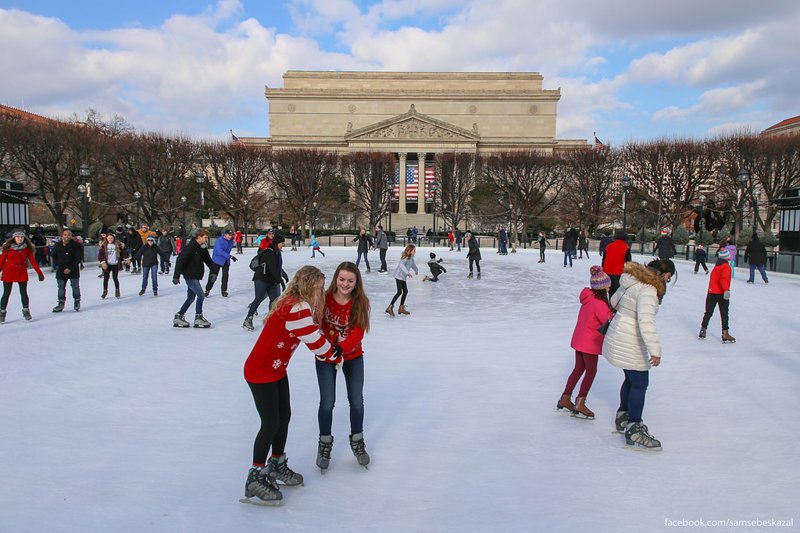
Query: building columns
column 401, row 207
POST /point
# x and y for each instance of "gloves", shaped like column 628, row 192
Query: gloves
column 41, row 277
column 284, row 276
column 726, row 295
column 176, row 281
column 335, row 357
column 233, row 259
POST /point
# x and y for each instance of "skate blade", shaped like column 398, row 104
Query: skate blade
column 639, row 448
column 564, row 410
column 581, row 416
column 728, row 342
column 202, row 327
column 261, row 503
column 179, row 326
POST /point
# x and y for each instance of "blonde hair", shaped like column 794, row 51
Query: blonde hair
column 303, row 288
column 408, row 251
column 359, row 310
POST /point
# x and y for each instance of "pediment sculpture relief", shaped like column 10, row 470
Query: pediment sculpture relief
column 413, row 129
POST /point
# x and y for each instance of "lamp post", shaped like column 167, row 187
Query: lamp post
column 138, row 197
column 756, row 198
column 200, row 179
column 744, row 178
column 644, row 220
column 314, row 218
column 390, row 190
column 183, row 211
column 434, row 188
column 626, row 184
column 700, row 226
column 580, row 215
column 83, row 189
column 245, row 202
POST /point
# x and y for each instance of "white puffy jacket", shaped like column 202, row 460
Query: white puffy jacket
column 632, row 337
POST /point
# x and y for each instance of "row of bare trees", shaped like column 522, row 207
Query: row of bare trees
column 528, row 190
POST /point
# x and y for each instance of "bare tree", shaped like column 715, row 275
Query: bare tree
column 239, row 174
column 457, row 174
column 368, row 175
column 591, row 175
column 522, row 185
column 301, row 178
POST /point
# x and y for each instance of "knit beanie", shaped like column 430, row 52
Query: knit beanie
column 598, row 279
column 724, row 254
column 433, row 255
column 18, row 233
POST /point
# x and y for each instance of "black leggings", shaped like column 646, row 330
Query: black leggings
column 272, row 404
column 112, row 271
column 477, row 265
column 541, row 254
column 712, row 301
column 402, row 288
column 23, row 293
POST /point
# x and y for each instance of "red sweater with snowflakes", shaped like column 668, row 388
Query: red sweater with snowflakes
column 334, row 327
column 285, row 329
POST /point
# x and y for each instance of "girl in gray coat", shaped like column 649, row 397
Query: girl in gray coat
column 401, row 273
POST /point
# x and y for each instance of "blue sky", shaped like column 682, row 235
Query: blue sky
column 626, row 70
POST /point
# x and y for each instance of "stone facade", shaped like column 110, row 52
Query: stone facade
column 414, row 115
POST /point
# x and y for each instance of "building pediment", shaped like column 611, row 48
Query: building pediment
column 413, row 126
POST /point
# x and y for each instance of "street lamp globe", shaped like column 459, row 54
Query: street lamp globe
column 200, row 177
column 743, row 177
column 627, row 181
column 82, row 188
column 183, row 200
column 84, row 170
column 137, row 195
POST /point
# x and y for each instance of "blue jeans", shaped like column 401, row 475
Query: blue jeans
column 760, row 271
column 358, row 260
column 151, row 271
column 263, row 289
column 62, row 288
column 632, row 393
column 193, row 290
column 568, row 255
column 354, row 381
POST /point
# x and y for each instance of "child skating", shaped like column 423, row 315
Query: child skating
column 719, row 294
column 587, row 341
column 436, row 268
column 401, row 273
column 315, row 247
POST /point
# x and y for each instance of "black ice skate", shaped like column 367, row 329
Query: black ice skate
column 702, row 334
column 59, row 306
column 201, row 322
column 179, row 321
column 2, row 316
column 278, row 470
column 77, row 305
column 248, row 323
column 636, row 435
column 359, row 449
column 26, row 313
column 259, row 489
column 621, row 421
column 324, row 452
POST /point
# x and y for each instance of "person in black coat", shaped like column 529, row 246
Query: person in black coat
column 474, row 254
column 700, row 258
column 189, row 264
column 364, row 244
column 570, row 245
column 267, row 278
column 67, row 258
column 40, row 243
column 543, row 242
column 436, row 268
column 665, row 248
column 134, row 242
column 148, row 257
column 605, row 240
column 755, row 255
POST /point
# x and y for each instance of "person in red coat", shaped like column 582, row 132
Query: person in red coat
column 587, row 341
column 616, row 255
column 294, row 318
column 344, row 322
column 237, row 238
column 17, row 252
column 719, row 294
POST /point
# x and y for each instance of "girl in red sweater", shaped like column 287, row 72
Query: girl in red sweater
column 295, row 317
column 344, row 322
column 587, row 341
column 17, row 252
column 719, row 294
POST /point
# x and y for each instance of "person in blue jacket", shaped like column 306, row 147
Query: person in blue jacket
column 221, row 257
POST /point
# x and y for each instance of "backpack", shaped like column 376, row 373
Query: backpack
column 254, row 262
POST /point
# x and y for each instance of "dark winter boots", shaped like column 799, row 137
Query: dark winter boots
column 77, row 305
column 324, row 451
column 248, row 323
column 636, row 435
column 278, row 470
column 702, row 334
column 2, row 316
column 359, row 449
column 26, row 313
column 259, row 485
column 59, row 306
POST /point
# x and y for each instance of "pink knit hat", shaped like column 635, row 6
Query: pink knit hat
column 599, row 279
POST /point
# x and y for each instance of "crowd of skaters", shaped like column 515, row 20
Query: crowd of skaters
column 616, row 318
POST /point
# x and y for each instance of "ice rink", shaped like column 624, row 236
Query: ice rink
column 113, row 420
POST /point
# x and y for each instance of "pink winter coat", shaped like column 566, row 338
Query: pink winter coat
column 593, row 314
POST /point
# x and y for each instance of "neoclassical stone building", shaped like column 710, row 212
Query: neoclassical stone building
column 414, row 115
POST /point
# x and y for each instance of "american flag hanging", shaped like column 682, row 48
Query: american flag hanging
column 396, row 193
column 412, row 183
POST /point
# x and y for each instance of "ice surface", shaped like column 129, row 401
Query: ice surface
column 114, row 420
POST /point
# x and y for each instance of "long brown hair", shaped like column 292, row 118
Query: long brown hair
column 7, row 245
column 302, row 287
column 407, row 251
column 359, row 310
column 602, row 294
